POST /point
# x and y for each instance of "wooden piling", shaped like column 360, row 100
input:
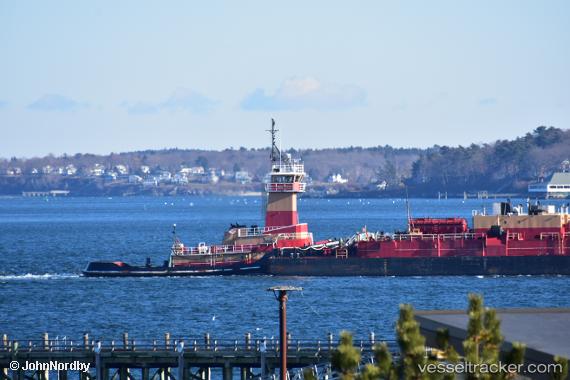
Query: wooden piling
column 207, row 341
column 167, row 341
column 86, row 341
column 44, row 375
column 145, row 373
column 228, row 371
column 4, row 371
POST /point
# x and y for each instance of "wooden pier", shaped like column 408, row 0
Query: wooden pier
column 168, row 358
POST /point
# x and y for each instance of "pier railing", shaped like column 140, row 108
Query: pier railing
column 169, row 358
column 168, row 343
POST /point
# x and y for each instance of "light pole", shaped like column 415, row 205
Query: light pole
column 280, row 293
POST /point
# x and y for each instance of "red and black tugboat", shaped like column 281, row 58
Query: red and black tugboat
column 243, row 250
column 510, row 241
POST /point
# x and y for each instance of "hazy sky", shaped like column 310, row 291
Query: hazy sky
column 78, row 76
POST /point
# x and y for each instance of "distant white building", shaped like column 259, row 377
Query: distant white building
column 121, row 169
column 133, row 179
column 337, row 178
column 150, row 182
column 211, row 177
column 70, row 170
column 180, row 179
column 97, row 170
column 47, row 169
column 165, row 176
column 382, row 185
column 145, row 169
column 192, row 170
column 13, row 171
column 34, row 171
column 558, row 186
column 242, row 177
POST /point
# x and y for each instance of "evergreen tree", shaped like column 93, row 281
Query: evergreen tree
column 412, row 344
column 563, row 374
column 346, row 358
column 383, row 368
column 483, row 344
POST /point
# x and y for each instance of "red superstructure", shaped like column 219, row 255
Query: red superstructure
column 508, row 232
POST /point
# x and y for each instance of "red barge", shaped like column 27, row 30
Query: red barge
column 531, row 240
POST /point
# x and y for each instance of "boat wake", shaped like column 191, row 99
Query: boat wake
column 32, row 276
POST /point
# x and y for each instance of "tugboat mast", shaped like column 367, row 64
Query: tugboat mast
column 275, row 153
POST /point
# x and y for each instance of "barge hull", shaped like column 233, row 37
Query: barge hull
column 425, row 266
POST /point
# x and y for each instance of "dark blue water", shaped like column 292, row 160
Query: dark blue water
column 45, row 243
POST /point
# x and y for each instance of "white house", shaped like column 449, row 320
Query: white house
column 14, row 171
column 135, row 179
column 337, row 178
column 121, row 170
column 150, row 182
column 47, row 169
column 192, row 170
column 164, row 176
column 242, row 177
column 70, row 170
column 97, row 170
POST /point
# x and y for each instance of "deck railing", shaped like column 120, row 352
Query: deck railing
column 213, row 249
column 549, row 235
column 257, row 231
column 285, row 187
column 464, row 236
column 296, row 168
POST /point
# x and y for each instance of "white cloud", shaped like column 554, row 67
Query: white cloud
column 306, row 93
column 56, row 102
column 182, row 99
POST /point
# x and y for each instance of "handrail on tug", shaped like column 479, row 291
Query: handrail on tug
column 203, row 249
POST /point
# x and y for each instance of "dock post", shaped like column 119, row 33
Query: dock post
column 167, row 340
column 46, row 341
column 98, row 364
column 330, row 338
column 372, row 339
column 228, row 371
column 126, row 340
column 244, row 371
column 44, row 375
column 181, row 365
column 207, row 341
column 86, row 341
column 205, row 373
column 262, row 350
column 4, row 371
column 145, row 373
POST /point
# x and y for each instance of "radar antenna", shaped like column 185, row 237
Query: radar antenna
column 275, row 152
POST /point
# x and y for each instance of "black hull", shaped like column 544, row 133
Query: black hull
column 428, row 266
column 110, row 269
column 330, row 266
